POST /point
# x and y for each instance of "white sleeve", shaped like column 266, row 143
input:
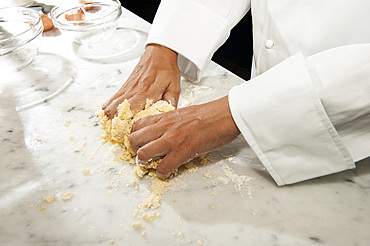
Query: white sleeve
column 308, row 117
column 195, row 29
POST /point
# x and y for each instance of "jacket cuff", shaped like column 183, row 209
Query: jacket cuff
column 281, row 117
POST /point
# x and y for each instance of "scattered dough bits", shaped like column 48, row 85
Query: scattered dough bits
column 207, row 175
column 152, row 200
column 136, row 225
column 49, row 198
column 67, row 196
column 85, row 171
column 117, row 130
column 42, row 208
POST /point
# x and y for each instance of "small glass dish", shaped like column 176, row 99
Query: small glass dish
column 15, row 3
column 20, row 29
column 85, row 21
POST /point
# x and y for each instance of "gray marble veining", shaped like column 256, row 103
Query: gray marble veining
column 45, row 147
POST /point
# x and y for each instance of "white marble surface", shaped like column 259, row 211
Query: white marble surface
column 44, row 147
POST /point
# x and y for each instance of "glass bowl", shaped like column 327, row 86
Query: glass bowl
column 15, row 3
column 85, row 21
column 20, row 29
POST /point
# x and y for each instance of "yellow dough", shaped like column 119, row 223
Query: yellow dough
column 118, row 129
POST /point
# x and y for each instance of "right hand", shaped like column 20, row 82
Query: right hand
column 155, row 77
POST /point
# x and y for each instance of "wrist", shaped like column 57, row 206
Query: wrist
column 163, row 52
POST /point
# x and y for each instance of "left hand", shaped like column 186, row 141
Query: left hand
column 180, row 135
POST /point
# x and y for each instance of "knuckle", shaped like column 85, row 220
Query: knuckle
column 142, row 154
column 132, row 139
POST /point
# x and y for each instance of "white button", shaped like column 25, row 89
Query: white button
column 269, row 44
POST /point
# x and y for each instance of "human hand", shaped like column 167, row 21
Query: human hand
column 156, row 77
column 183, row 134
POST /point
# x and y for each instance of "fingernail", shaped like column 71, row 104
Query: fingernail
column 162, row 176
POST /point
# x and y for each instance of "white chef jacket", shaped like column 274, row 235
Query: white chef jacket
column 307, row 113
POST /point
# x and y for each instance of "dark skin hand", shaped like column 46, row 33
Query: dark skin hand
column 180, row 135
column 156, row 77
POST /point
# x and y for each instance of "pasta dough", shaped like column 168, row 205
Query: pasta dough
column 118, row 129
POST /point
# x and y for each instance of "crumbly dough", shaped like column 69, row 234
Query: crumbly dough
column 66, row 196
column 117, row 130
column 49, row 198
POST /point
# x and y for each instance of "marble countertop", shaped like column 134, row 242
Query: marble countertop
column 49, row 135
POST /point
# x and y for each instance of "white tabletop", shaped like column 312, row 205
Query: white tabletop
column 45, row 147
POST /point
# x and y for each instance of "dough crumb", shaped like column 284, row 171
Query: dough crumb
column 155, row 196
column 150, row 216
column 67, row 196
column 203, row 159
column 67, row 122
column 136, row 225
column 49, row 198
column 143, row 234
column 42, row 208
column 111, row 241
column 180, row 234
column 207, row 175
column 85, row 171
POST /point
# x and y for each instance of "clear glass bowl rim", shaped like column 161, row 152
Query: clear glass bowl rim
column 24, row 37
column 88, row 24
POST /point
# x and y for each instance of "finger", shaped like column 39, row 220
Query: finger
column 153, row 150
column 145, row 121
column 171, row 98
column 111, row 109
column 173, row 93
column 137, row 103
column 169, row 164
column 144, row 136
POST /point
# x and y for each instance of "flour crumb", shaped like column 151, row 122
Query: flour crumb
column 239, row 181
column 49, row 198
column 150, row 216
column 67, row 122
column 154, row 198
column 83, row 145
column 207, row 175
column 85, row 171
column 67, row 196
column 203, row 159
column 136, row 225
